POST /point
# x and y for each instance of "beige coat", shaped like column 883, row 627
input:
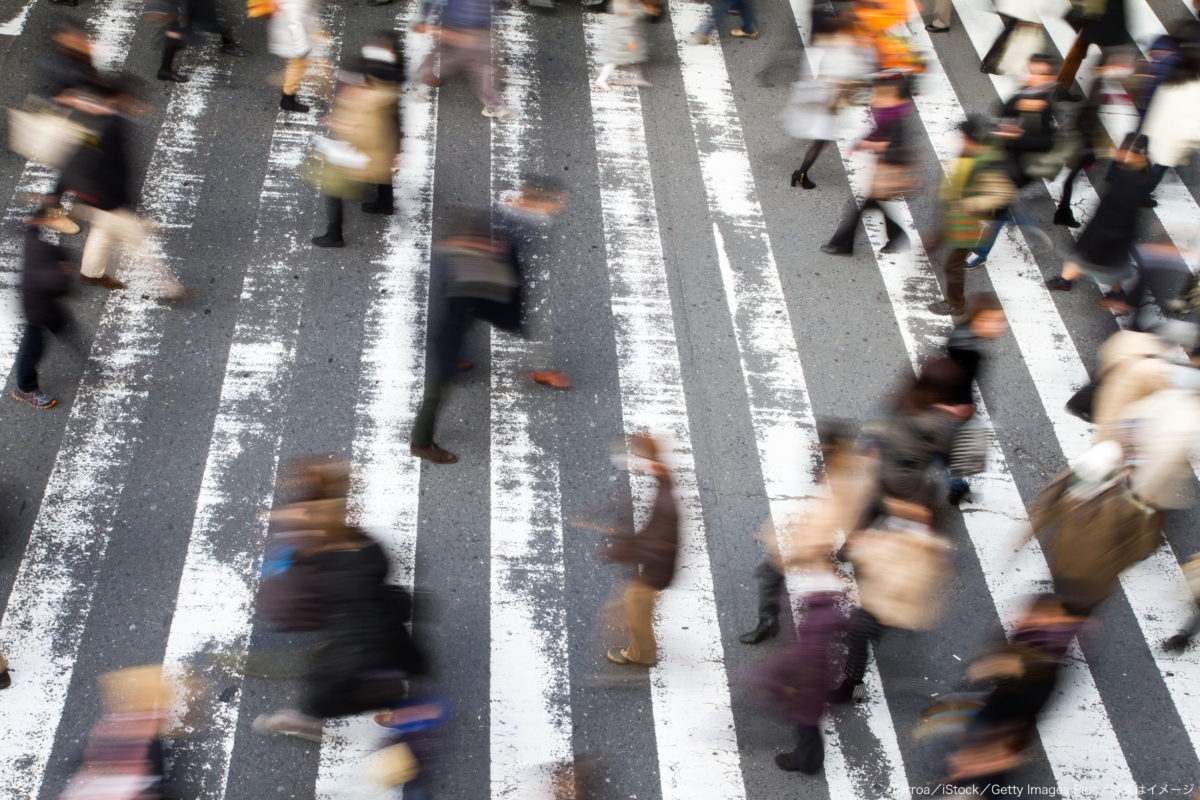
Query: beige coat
column 1128, row 372
column 368, row 118
column 1166, row 429
column 900, row 573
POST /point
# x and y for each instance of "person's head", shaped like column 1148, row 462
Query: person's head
column 975, row 130
column 985, row 315
column 382, row 57
column 939, row 382
column 70, row 36
column 1041, row 70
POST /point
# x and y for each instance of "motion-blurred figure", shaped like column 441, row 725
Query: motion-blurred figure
column 748, row 29
column 291, row 32
column 1024, row 672
column 1021, row 20
column 892, row 112
column 851, row 478
column 367, row 655
column 408, row 756
column 185, row 22
column 624, row 42
column 45, row 281
column 100, row 176
column 650, row 553
column 124, row 755
column 365, row 117
column 5, row 678
column 1133, row 365
column 977, row 188
column 1096, row 22
column 463, row 42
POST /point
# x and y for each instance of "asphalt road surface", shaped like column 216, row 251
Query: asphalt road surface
column 683, row 291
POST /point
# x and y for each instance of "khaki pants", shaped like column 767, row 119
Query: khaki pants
column 639, row 600
column 293, row 74
column 132, row 237
column 941, row 13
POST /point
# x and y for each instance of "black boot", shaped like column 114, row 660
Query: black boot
column 897, row 239
column 846, row 691
column 767, row 628
column 166, row 67
column 1063, row 216
column 809, row 755
column 288, row 102
column 801, row 177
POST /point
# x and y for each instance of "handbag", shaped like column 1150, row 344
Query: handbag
column 1082, row 403
column 44, row 132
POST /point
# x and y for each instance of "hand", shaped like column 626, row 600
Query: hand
column 420, row 27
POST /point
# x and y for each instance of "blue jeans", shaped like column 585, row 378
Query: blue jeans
column 722, row 7
column 1004, row 217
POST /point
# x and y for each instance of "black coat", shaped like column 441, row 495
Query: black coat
column 43, row 282
column 1108, row 239
column 64, row 69
column 99, row 172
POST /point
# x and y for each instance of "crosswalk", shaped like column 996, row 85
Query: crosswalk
column 684, row 292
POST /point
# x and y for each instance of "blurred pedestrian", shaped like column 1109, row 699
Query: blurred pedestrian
column 291, row 31
column 5, row 678
column 891, row 139
column 45, row 280
column 1021, row 36
column 650, row 553
column 366, row 117
column 186, row 21
column 976, row 189
column 1096, row 22
column 1172, row 122
column 624, row 42
column 744, row 9
column 1132, row 365
column 463, row 42
column 100, row 176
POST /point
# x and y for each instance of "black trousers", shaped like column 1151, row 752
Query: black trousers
column 865, row 629
column 335, row 208
column 33, row 346
column 843, row 238
column 770, row 589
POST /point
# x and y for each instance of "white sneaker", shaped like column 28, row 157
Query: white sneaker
column 502, row 113
column 696, row 37
column 288, row 722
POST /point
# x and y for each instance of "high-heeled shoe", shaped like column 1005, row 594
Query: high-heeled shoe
column 767, row 627
column 801, row 177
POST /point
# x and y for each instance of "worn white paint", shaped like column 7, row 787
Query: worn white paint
column 52, row 596
column 693, row 722
column 15, row 25
column 214, row 605
column 385, row 490
column 780, row 410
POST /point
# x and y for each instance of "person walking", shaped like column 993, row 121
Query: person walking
column 99, row 175
column 185, row 22
column 290, row 34
column 890, row 138
column 744, row 9
column 45, row 280
column 365, row 116
column 624, row 42
column 463, row 43
column 1096, row 22
column 977, row 187
column 651, row 553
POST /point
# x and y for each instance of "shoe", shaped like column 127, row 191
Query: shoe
column 933, row 28
column 602, row 85
column 5, row 680
column 766, row 629
column 37, row 399
column 848, row 691
column 432, row 452
column 171, row 75
column 234, row 49
column 974, row 261
column 56, row 219
column 288, row 102
column 944, row 309
column 326, row 240
column 1063, row 216
column 618, row 655
column 741, row 33
column 787, row 761
column 801, row 178
column 555, row 380
column 1059, row 284
column 834, row 250
column 500, row 112
column 957, row 495
column 1115, row 302
column 1176, row 644
column 376, row 208
column 288, row 723
column 104, row 282
column 696, row 37
column 1151, row 203
column 989, row 68
column 896, row 245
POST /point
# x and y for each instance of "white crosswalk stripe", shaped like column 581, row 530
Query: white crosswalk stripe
column 697, row 729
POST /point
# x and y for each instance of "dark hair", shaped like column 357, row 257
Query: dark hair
column 939, row 381
column 975, row 127
column 981, row 302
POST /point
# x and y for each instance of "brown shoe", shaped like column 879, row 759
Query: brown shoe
column 433, row 453
column 555, row 380
column 57, row 219
column 619, row 655
column 104, row 282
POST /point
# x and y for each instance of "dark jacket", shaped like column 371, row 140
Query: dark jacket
column 99, row 172
column 655, row 548
column 910, row 444
column 965, row 349
column 64, row 69
column 43, row 282
column 893, row 124
column 1109, row 237
column 476, row 14
column 796, row 682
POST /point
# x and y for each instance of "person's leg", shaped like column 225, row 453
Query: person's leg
column 956, row 278
column 334, row 217
column 98, row 246
column 483, row 72
column 897, row 239
column 606, row 71
column 639, row 616
column 384, row 202
column 29, row 353
column 172, row 44
column 842, row 241
column 293, row 73
column 942, row 11
column 1071, row 62
column 991, row 61
column 808, row 756
column 1063, row 215
column 133, row 238
column 864, row 629
column 1156, row 175
column 770, row 588
column 719, row 9
column 426, row 423
column 749, row 20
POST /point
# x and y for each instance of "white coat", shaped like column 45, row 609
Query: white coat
column 1173, row 123
column 1024, row 10
column 291, row 28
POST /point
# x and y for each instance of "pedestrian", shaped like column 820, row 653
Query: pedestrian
column 1132, row 365
column 891, row 139
column 650, row 553
column 844, row 60
column 366, row 117
column 185, row 22
column 290, row 35
column 463, row 42
column 624, row 42
column 1022, row 29
column 851, row 478
column 976, row 189
column 748, row 29
column 1172, row 122
column 99, row 175
column 794, row 683
column 45, row 280
column 1096, row 22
